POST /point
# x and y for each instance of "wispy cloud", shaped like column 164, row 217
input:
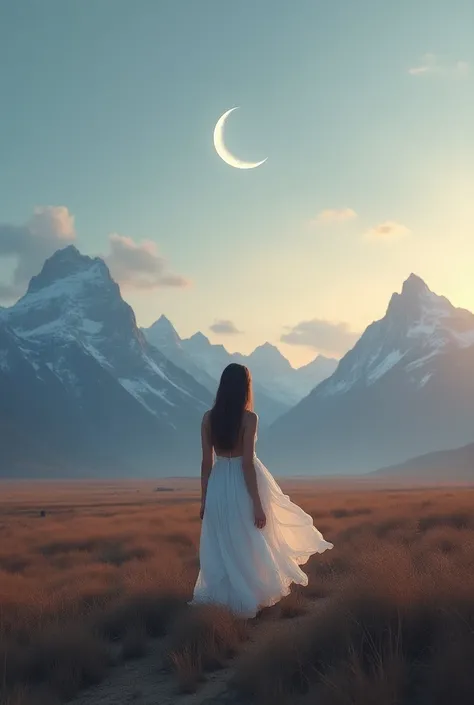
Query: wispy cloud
column 328, row 337
column 225, row 327
column 387, row 232
column 139, row 265
column 50, row 228
column 433, row 65
column 334, row 216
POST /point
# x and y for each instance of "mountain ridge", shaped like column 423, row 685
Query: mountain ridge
column 207, row 363
column 275, row 380
column 73, row 327
column 89, row 391
column 451, row 465
column 405, row 388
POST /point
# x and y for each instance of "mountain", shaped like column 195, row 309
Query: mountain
column 278, row 386
column 279, row 378
column 211, row 358
column 406, row 388
column 265, row 358
column 310, row 375
column 442, row 466
column 79, row 377
column 272, row 371
column 62, row 414
column 163, row 336
column 205, row 363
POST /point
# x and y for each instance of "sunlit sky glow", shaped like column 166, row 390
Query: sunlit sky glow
column 364, row 109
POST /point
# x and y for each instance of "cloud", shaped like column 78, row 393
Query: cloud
column 225, row 327
column 139, row 265
column 132, row 264
column 49, row 229
column 324, row 336
column 333, row 216
column 387, row 232
column 432, row 65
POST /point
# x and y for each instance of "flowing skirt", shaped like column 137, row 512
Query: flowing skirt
column 244, row 568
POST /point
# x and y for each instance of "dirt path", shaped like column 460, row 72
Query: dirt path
column 146, row 681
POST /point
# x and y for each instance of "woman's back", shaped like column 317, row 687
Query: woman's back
column 238, row 448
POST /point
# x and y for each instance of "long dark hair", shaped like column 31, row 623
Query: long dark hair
column 233, row 398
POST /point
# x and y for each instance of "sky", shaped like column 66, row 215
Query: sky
column 364, row 111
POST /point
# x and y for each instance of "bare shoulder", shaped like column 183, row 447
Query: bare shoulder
column 206, row 418
column 250, row 420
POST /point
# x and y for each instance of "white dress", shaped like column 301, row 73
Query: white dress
column 244, row 568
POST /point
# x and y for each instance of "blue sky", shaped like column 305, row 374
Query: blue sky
column 364, row 109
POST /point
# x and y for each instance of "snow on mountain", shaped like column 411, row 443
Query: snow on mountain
column 419, row 325
column 277, row 385
column 277, row 376
column 73, row 325
column 310, row 375
column 163, row 336
column 271, row 371
column 205, row 363
column 406, row 388
column 63, row 414
column 212, row 358
column 75, row 298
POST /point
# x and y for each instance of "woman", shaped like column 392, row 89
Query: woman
column 253, row 538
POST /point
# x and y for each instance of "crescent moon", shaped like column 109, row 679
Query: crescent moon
column 222, row 150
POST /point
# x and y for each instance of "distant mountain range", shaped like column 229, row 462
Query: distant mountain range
column 406, row 388
column 84, row 391
column 277, row 385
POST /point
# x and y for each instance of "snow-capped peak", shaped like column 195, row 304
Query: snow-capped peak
column 67, row 263
column 425, row 318
column 415, row 301
column 73, row 296
column 74, row 301
column 418, row 326
column 162, row 332
column 163, row 323
column 269, row 355
column 428, row 318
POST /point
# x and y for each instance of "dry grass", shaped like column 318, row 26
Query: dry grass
column 203, row 639
column 399, row 624
column 88, row 584
column 111, row 566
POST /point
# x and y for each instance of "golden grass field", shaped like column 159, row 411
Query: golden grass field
column 387, row 618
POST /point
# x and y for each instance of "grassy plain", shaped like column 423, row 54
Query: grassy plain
column 92, row 573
